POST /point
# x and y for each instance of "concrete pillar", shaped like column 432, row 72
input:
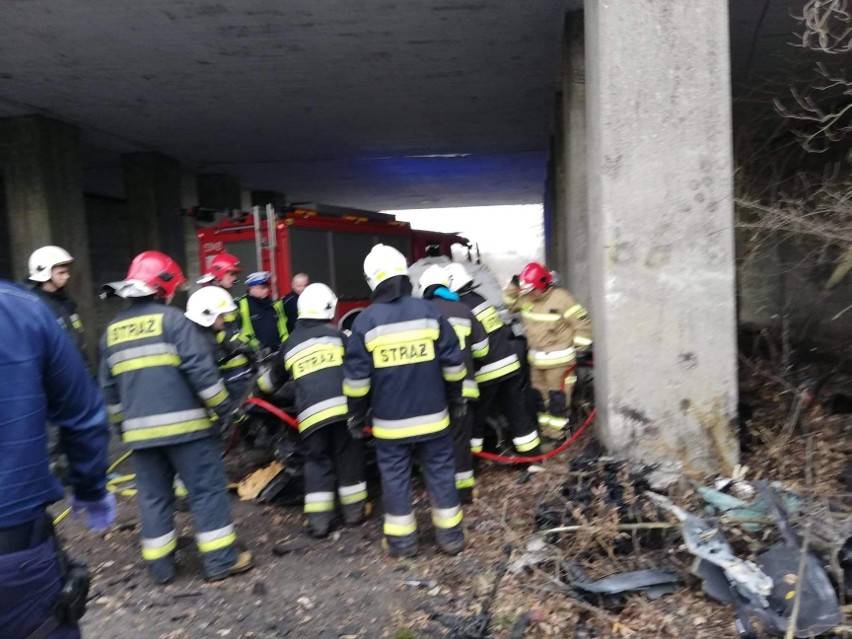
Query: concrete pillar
column 219, row 191
column 42, row 176
column 555, row 247
column 573, row 118
column 660, row 206
column 188, row 198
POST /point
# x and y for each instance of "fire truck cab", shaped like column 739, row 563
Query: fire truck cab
column 326, row 242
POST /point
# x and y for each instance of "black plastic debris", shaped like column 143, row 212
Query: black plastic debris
column 608, row 591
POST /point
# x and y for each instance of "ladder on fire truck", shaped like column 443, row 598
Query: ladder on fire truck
column 266, row 247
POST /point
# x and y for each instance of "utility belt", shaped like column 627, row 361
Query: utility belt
column 73, row 573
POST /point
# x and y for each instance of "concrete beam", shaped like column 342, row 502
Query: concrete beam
column 219, row 191
column 42, row 175
column 662, row 252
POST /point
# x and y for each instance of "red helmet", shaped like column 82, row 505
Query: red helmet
column 153, row 273
column 223, row 263
column 535, row 277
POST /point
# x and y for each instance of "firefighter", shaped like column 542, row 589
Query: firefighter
column 160, row 380
column 44, row 378
column 473, row 341
column 555, row 326
column 311, row 362
column 210, row 308
column 263, row 322
column 403, row 361
column 499, row 374
column 49, row 268
column 222, row 271
column 236, row 351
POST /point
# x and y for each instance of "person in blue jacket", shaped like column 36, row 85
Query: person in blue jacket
column 46, row 379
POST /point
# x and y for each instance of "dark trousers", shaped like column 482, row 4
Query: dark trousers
column 435, row 457
column 200, row 468
column 507, row 395
column 29, row 587
column 334, row 461
column 462, row 430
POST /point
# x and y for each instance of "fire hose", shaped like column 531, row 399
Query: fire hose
column 293, row 423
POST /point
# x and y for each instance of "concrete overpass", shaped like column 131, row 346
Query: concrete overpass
column 617, row 114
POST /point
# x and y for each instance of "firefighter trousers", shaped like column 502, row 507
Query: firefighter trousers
column 506, row 394
column 333, row 461
column 553, row 415
column 435, row 457
column 462, row 432
column 200, row 467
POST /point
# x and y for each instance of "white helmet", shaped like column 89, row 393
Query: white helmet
column 317, row 301
column 208, row 303
column 383, row 262
column 435, row 275
column 458, row 276
column 44, row 259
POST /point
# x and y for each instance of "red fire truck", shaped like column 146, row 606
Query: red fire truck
column 328, row 243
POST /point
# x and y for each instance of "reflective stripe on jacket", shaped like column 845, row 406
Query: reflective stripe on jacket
column 403, row 359
column 158, row 376
column 247, row 330
column 313, row 360
column 501, row 359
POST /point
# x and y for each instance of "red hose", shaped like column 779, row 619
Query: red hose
column 535, row 458
column 293, row 423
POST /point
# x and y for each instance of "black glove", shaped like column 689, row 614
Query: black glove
column 355, row 426
column 516, row 280
column 458, row 411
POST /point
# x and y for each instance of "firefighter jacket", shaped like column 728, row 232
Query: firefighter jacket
column 65, row 310
column 501, row 359
column 263, row 323
column 233, row 351
column 555, row 325
column 473, row 340
column 158, row 376
column 44, row 379
column 402, row 360
column 313, row 359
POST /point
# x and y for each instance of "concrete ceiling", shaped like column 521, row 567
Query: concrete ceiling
column 370, row 103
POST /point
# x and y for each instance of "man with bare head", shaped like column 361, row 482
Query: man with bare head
column 297, row 285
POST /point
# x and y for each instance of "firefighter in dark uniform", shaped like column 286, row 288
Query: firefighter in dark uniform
column 473, row 341
column 159, row 380
column 235, row 350
column 44, row 378
column 49, row 268
column 403, row 361
column 311, row 364
column 499, row 374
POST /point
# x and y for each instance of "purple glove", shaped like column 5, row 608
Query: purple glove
column 99, row 514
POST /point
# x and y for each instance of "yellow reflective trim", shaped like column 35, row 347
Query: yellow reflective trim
column 581, row 341
column 140, row 327
column 116, row 418
column 480, row 353
column 264, row 383
column 152, row 554
column 400, row 530
column 461, row 333
column 522, row 448
column 549, row 362
column 455, row 377
column 574, row 310
column 476, row 449
column 402, row 353
column 452, row 522
column 470, row 393
column 334, row 411
column 319, row 506
column 182, row 428
column 239, row 360
column 541, row 317
column 467, row 482
column 391, row 339
column 500, row 372
column 354, row 498
column 148, row 361
column 217, row 399
column 410, row 431
column 313, row 359
column 217, row 544
column 355, row 391
column 490, row 320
